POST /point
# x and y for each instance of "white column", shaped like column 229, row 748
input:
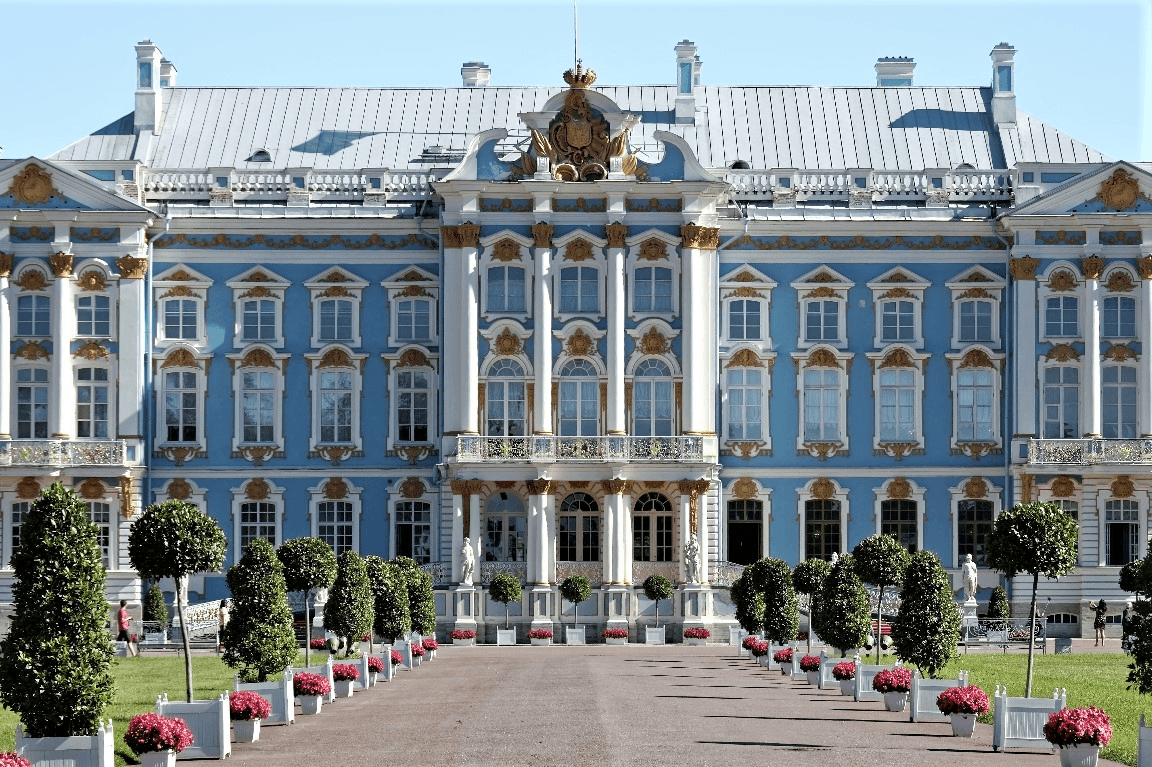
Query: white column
column 470, row 332
column 1144, row 377
column 685, row 530
column 610, row 539
column 5, row 349
column 532, row 549
column 541, row 571
column 1093, row 417
column 1025, row 345
column 704, row 510
column 62, row 395
column 616, row 421
column 473, row 529
column 548, row 538
column 452, row 357
column 132, row 338
column 542, row 335
column 698, row 338
column 457, row 530
column 624, row 541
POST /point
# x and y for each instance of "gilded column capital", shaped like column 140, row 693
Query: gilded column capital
column 61, row 264
column 1092, row 266
column 616, row 233
column 539, row 486
column 469, row 234
column 616, row 486
column 461, row 487
column 700, row 237
column 131, row 267
column 542, row 234
column 1023, row 268
column 5, row 264
column 450, row 236
column 1144, row 264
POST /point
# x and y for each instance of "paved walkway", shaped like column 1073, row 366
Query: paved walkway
column 613, row 707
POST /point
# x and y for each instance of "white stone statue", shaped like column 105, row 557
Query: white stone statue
column 692, row 559
column 968, row 572
column 835, row 558
column 467, row 563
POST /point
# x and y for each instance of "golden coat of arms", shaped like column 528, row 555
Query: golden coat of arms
column 1120, row 190
column 32, row 186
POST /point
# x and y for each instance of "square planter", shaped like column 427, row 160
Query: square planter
column 246, row 730
column 326, row 672
column 895, row 701
column 694, row 642
column 505, row 637
column 345, row 687
column 279, row 694
column 575, row 635
column 654, row 634
column 310, row 704
column 615, row 641
column 922, row 700
column 165, row 758
column 464, row 642
column 79, row 750
column 1019, row 722
column 209, row 722
column 158, row 638
column 541, row 642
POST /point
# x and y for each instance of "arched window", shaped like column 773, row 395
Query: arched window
column 505, row 529
column 578, row 529
column 973, row 526
column 652, row 400
column 505, row 400
column 579, row 401
column 652, row 529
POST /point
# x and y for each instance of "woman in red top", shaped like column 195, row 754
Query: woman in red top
column 123, row 620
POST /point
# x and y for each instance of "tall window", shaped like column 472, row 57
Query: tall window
column 897, row 320
column 578, row 529
column 897, row 405
column 1122, row 527
column 414, row 530
column 258, row 399
column 336, row 407
column 259, row 320
column 898, row 519
column 1062, row 317
column 652, row 529
column 1118, row 399
column 1061, row 402
column 579, row 404
column 973, row 526
column 745, row 395
column 745, row 531
column 821, row 528
column 1072, row 508
column 1118, row 317
column 822, row 405
column 181, row 319
column 506, row 289
column 334, row 525
column 32, row 316
column 505, row 400
column 821, row 320
column 744, row 320
column 181, row 406
column 413, row 320
column 93, row 316
column 652, row 400
column 257, row 520
column 976, row 321
column 579, row 289
column 32, row 403
column 413, row 396
column 505, row 529
column 18, row 512
column 100, row 514
column 653, row 286
column 974, row 405
column 92, row 403
column 336, row 319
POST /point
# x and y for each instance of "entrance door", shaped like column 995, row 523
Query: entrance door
column 745, row 531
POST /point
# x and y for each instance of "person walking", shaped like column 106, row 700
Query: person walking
column 123, row 621
column 1101, row 610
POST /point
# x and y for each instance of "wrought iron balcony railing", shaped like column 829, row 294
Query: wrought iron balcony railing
column 61, row 452
column 1089, row 452
column 548, row 449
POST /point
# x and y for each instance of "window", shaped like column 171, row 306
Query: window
column 821, row 320
column 578, row 529
column 744, row 320
column 745, row 395
column 32, row 403
column 259, row 322
column 506, row 289
column 181, row 319
column 181, row 406
column 822, row 401
column 505, row 529
column 336, row 407
column 257, row 520
column 18, row 512
column 652, row 529
column 1122, row 526
column 414, row 531
column 579, row 291
column 1118, row 317
column 898, row 393
column 413, row 320
column 745, row 531
column 1118, row 400
column 100, row 514
column 334, row 525
column 898, row 518
column 976, row 321
column 897, row 321
column 258, row 305
column 653, row 289
column 258, row 399
column 579, row 404
column 974, row 405
column 652, row 400
column 93, row 316
column 32, row 316
column 1062, row 317
column 1073, row 510
column 414, row 392
column 336, row 320
column 821, row 528
column 973, row 526
column 505, row 400
column 1061, row 405
column 92, row 403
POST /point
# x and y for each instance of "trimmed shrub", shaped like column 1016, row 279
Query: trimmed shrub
column 349, row 611
column 880, row 560
column 505, row 588
column 749, row 604
column 808, row 578
column 926, row 628
column 657, row 587
column 781, row 605
column 421, row 599
column 155, row 610
column 309, row 564
column 259, row 639
column 575, row 588
column 389, row 597
column 998, row 605
column 843, row 619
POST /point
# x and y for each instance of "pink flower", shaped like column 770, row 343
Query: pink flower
column 9, row 759
column 375, row 664
column 844, row 670
column 969, row 699
column 152, row 732
column 463, row 634
column 697, row 633
column 319, row 643
column 345, row 672
column 893, row 680
column 305, row 684
column 749, row 641
column 810, row 663
column 1074, row 726
column 417, row 650
column 396, row 658
column 783, row 656
column 759, row 649
column 615, row 633
column 365, row 637
column 430, row 644
column 247, row 705
column 540, row 634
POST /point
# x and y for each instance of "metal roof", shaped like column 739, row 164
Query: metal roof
column 895, row 128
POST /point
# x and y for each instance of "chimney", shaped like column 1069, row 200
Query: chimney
column 149, row 101
column 894, row 71
column 476, row 74
column 1003, row 84
column 167, row 74
column 686, row 70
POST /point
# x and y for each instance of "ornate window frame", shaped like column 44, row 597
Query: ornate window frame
column 258, row 284
column 823, row 357
column 1060, row 280
column 335, row 489
column 746, row 356
column 261, row 357
column 1120, row 281
column 418, row 489
column 181, row 282
column 822, row 284
column 822, row 489
column 1122, row 488
column 336, row 283
column 416, row 284
column 745, row 283
column 256, row 490
column 31, row 356
column 181, row 489
column 652, row 249
column 976, row 356
column 972, row 488
column 749, row 489
column 92, row 278
column 340, row 357
column 579, row 339
column 506, row 248
column 418, row 358
column 93, row 490
column 905, row 357
column 977, row 284
column 579, row 248
column 899, row 284
column 1060, row 489
column 507, row 340
column 181, row 358
column 96, row 356
column 900, row 489
column 1064, row 356
column 31, row 278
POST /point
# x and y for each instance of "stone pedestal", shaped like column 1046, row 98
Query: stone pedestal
column 542, row 606
column 695, row 604
column 617, row 606
column 465, row 607
column 968, row 619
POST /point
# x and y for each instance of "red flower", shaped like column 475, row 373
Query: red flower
column 305, row 684
column 1075, row 726
column 783, row 656
column 969, row 699
column 893, row 680
column 319, row 643
column 810, row 663
column 396, row 658
column 247, row 705
column 759, row 649
column 365, row 637
column 345, row 672
column 152, row 732
column 430, row 644
column 375, row 664
column 844, row 670
column 540, row 634
column 417, row 650
column 615, row 633
column 464, row 634
column 749, row 641
column 9, row 759
column 697, row 633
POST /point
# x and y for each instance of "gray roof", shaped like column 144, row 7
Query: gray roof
column 902, row 128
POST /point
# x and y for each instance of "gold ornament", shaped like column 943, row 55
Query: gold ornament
column 1119, row 191
column 33, row 186
column 335, row 489
column 616, row 233
column 744, row 489
column 131, row 267
column 1122, row 487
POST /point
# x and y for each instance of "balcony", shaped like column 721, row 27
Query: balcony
column 62, row 452
column 1089, row 452
column 589, row 449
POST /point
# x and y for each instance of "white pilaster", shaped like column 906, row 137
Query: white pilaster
column 130, row 359
column 542, row 339
column 457, row 534
column 474, row 533
column 624, row 541
column 685, row 532
column 704, row 512
column 1025, row 331
column 699, row 340
column 541, row 569
column 611, row 536
column 1144, row 377
column 470, row 333
column 62, row 397
column 5, row 350
column 616, row 421
column 1093, row 416
column 548, row 537
column 453, row 340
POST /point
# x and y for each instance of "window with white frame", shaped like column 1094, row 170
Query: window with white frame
column 33, row 316
column 821, row 528
column 899, row 518
column 258, row 519
column 258, row 411
column 578, row 408
column 823, row 404
column 336, row 320
column 1062, row 317
column 100, row 514
column 181, row 299
column 182, row 398
column 413, row 320
column 258, row 303
column 92, row 403
column 336, row 413
column 506, row 400
column 897, row 320
column 1118, row 401
column 974, row 518
column 260, row 319
column 505, row 529
column 579, row 290
column 652, row 289
column 507, row 289
column 822, row 320
column 1072, row 509
column 334, row 523
column 31, row 403
column 975, row 319
column 744, row 323
column 898, row 393
column 1061, row 402
column 180, row 319
column 336, row 297
column 578, row 529
column 94, row 316
column 975, row 405
column 652, row 399
column 1121, row 532
column 745, row 530
column 413, row 404
column 652, row 529
column 744, row 389
column 414, row 530
column 1118, row 317
column 17, row 512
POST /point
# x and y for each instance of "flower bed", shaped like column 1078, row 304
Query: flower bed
column 748, row 641
column 615, row 633
column 247, row 705
column 305, row 684
column 893, row 680
column 759, row 649
column 396, row 658
column 968, row 699
column 540, row 634
column 463, row 634
column 844, row 670
column 430, row 644
column 783, row 656
column 319, row 643
column 697, row 633
column 810, row 663
column 375, row 664
column 152, row 732
column 1079, row 726
column 9, row 759
column 345, row 672
column 418, row 650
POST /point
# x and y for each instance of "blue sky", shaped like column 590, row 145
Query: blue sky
column 67, row 69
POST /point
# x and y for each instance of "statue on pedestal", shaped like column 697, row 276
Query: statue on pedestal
column 692, row 559
column 467, row 563
column 968, row 573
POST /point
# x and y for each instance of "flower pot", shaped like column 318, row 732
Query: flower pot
column 246, row 730
column 310, row 704
column 785, row 670
column 895, row 701
column 431, row 655
column 1079, row 755
column 541, row 642
column 695, row 642
column 464, row 642
column 167, row 758
column 763, row 660
column 344, row 688
column 616, row 641
column 372, row 678
column 848, row 687
column 813, row 676
column 963, row 725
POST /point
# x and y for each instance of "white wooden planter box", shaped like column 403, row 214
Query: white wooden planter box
column 654, row 635
column 616, row 640
column 209, row 722
column 279, row 694
column 464, row 642
column 159, row 638
column 864, row 675
column 735, row 637
column 404, row 647
column 505, row 637
column 1144, row 745
column 695, row 641
column 575, row 635
column 361, row 663
column 76, row 751
column 827, row 663
column 922, row 698
column 797, row 672
column 389, row 670
column 326, row 672
column 1019, row 722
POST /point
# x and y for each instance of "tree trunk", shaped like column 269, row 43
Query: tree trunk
column 811, row 617
column 180, row 584
column 879, row 620
column 1031, row 634
column 307, row 630
column 575, row 615
column 505, row 616
column 657, row 613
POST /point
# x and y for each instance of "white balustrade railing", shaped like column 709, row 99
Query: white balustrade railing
column 179, row 184
column 518, row 570
column 610, row 448
column 61, row 452
column 1089, row 452
column 954, row 184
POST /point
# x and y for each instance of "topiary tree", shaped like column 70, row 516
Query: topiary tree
column 998, row 606
column 1136, row 576
column 259, row 639
column 926, row 628
column 350, row 611
column 880, row 560
column 843, row 618
column 575, row 588
column 504, row 588
column 174, row 539
column 657, row 587
column 421, row 598
column 309, row 564
column 808, row 578
column 155, row 609
column 1033, row 538
column 749, row 604
column 393, row 619
column 55, row 670
column 781, row 605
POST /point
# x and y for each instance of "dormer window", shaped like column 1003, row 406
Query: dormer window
column 260, row 155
